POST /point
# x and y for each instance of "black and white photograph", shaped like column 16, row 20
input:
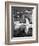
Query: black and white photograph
column 22, row 21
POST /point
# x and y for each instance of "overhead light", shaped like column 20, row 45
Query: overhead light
column 28, row 11
column 18, row 12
